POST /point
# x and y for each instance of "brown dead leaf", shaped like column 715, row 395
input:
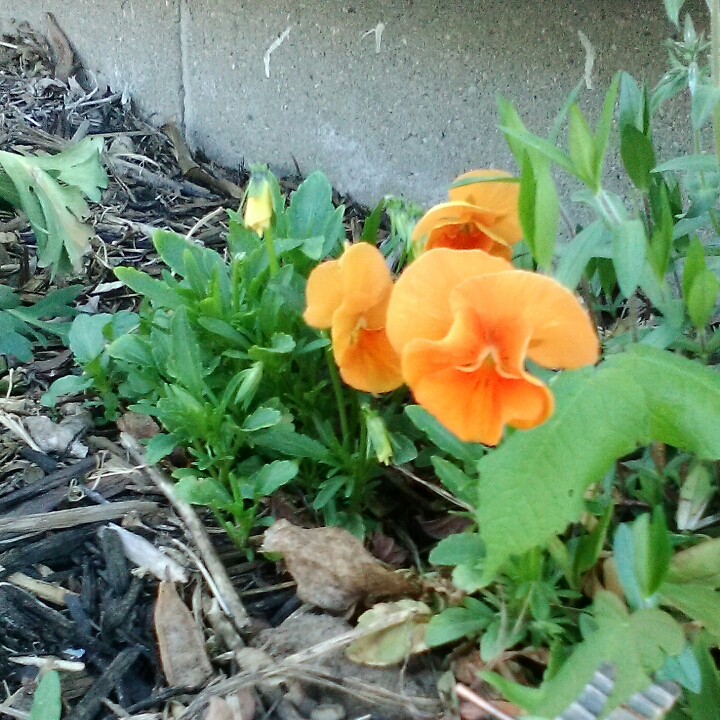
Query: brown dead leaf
column 444, row 526
column 138, row 425
column 386, row 549
column 180, row 642
column 331, row 567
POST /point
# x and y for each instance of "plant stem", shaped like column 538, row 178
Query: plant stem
column 715, row 67
column 339, row 399
column 272, row 257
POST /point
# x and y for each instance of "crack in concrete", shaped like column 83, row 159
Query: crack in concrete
column 185, row 102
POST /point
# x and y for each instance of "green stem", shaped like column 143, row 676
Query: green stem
column 339, row 398
column 272, row 257
column 715, row 67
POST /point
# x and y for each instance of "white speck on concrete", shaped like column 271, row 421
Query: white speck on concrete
column 274, row 45
column 378, row 31
column 589, row 58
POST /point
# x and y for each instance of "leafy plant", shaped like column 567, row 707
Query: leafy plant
column 50, row 190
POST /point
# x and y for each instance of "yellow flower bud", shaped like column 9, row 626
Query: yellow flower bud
column 259, row 206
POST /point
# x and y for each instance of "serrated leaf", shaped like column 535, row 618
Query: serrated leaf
column 628, row 254
column 532, row 487
column 637, row 644
column 261, row 419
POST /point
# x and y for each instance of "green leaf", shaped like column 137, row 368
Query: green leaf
column 156, row 291
column 702, row 297
column 699, row 602
column 87, row 339
column 372, row 223
column 261, row 419
column 532, row 487
column 285, row 440
column 158, row 447
column 548, row 149
column 68, row 385
column 704, row 705
column 638, row 156
column 683, row 669
column 185, row 364
column 578, row 253
column 652, row 551
column 591, row 545
column 624, row 554
column 510, row 120
column 459, row 483
column 699, row 564
column 131, row 348
column 274, row 475
column 458, row 549
column 630, row 103
column 628, row 254
column 602, row 133
column 696, row 163
column 539, row 209
column 637, row 644
column 441, row 436
column 672, row 8
column 583, row 153
column 704, row 101
column 682, row 395
column 458, row 622
column 310, row 207
column 661, row 243
column 694, row 265
column 203, row 491
column 47, row 700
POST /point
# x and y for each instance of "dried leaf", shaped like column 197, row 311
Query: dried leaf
column 386, row 549
column 180, row 642
column 331, row 567
column 391, row 645
column 145, row 555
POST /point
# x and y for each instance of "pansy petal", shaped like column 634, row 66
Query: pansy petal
column 420, row 302
column 474, row 405
column 366, row 283
column 324, row 294
column 468, row 236
column 499, row 197
column 370, row 363
column 561, row 333
column 451, row 213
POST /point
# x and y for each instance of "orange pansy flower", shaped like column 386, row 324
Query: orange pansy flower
column 464, row 323
column 481, row 215
column 351, row 295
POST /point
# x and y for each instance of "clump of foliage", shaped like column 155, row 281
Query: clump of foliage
column 590, row 464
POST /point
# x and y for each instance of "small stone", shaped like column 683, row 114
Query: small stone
column 328, row 712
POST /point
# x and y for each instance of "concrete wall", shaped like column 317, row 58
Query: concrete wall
column 394, row 96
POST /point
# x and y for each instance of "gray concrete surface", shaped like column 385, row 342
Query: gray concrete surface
column 393, row 96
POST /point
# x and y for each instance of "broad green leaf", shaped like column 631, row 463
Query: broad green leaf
column 158, row 447
column 47, row 700
column 531, row 487
column 458, row 622
column 441, row 436
column 638, row 156
column 624, row 555
column 526, row 201
column 630, row 101
column 539, row 208
column 86, row 336
column 185, row 364
column 699, row 602
column 702, row 297
column 637, row 644
column 458, row 549
column 672, row 8
column 274, row 475
column 203, row 491
column 652, row 550
column 628, row 254
column 682, row 396
column 510, row 120
column 261, row 419
column 699, row 564
column 131, row 348
column 683, row 669
column 591, row 545
column 310, row 207
column 372, row 223
column 459, row 483
column 661, row 243
column 578, row 253
column 68, row 385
